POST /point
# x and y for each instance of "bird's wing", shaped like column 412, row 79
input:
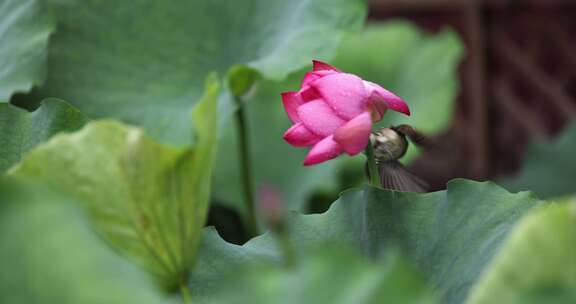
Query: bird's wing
column 395, row 176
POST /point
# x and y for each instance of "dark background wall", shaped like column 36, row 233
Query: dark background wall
column 518, row 79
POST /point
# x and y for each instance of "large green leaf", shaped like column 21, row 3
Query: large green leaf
column 549, row 168
column 144, row 61
column 147, row 199
column 539, row 255
column 20, row 130
column 50, row 255
column 547, row 295
column 450, row 235
column 419, row 67
column 325, row 276
column 25, row 26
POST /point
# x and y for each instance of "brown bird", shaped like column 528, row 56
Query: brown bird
column 390, row 144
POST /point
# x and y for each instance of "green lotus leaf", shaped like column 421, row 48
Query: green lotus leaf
column 144, row 62
column 450, row 235
column 50, row 254
column 549, row 168
column 25, row 26
column 148, row 200
column 20, row 130
column 329, row 274
column 538, row 260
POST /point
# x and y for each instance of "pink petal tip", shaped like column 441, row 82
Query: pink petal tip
column 292, row 101
column 324, row 150
column 392, row 101
column 318, row 65
column 299, row 136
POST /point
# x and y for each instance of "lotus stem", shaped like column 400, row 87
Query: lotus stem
column 246, row 169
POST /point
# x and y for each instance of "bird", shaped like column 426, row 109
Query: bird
column 389, row 146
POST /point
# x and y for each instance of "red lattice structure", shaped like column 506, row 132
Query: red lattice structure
column 518, row 79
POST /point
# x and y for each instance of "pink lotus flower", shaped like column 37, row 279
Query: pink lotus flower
column 333, row 112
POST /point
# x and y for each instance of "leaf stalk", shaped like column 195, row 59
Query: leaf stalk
column 246, row 168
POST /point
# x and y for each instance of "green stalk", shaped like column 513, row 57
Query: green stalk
column 372, row 168
column 246, row 168
column 186, row 297
column 283, row 239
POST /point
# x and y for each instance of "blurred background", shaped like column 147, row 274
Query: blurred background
column 517, row 79
column 493, row 82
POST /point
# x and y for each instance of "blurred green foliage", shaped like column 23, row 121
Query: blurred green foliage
column 549, row 168
column 21, row 130
column 50, row 255
column 25, row 26
column 148, row 200
column 144, row 62
column 326, row 275
column 538, row 262
column 450, row 235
